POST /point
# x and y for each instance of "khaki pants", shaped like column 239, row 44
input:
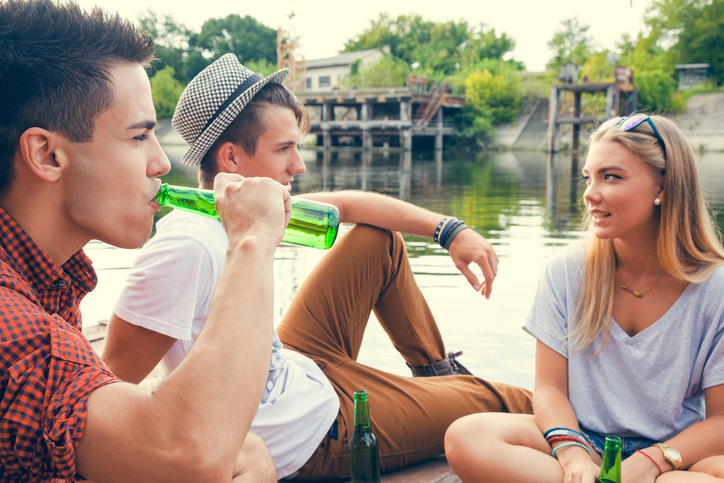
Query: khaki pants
column 367, row 270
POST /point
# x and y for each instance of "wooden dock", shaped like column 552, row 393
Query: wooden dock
column 382, row 117
column 435, row 470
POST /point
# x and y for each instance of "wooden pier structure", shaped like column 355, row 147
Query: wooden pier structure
column 613, row 99
column 382, row 117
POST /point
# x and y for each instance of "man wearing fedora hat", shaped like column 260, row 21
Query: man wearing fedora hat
column 79, row 161
column 239, row 122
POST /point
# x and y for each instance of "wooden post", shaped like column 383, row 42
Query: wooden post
column 577, row 114
column 553, row 120
column 438, row 130
column 366, row 134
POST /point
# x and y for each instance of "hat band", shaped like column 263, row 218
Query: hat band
column 243, row 87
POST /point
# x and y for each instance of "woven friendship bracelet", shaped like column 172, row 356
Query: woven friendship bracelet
column 436, row 236
column 566, row 445
column 453, row 234
column 562, row 432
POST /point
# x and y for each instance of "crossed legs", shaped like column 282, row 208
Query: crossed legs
column 368, row 270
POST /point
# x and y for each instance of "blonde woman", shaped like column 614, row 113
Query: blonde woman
column 629, row 328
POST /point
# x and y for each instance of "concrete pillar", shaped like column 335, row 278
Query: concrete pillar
column 405, row 132
column 326, row 136
column 366, row 114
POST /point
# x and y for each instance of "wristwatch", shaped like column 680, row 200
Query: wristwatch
column 671, row 456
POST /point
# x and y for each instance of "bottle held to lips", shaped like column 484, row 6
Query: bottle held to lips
column 313, row 224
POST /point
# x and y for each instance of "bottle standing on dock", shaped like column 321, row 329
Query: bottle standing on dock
column 611, row 463
column 364, row 455
column 313, row 224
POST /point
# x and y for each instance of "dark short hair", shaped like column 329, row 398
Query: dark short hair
column 248, row 126
column 55, row 60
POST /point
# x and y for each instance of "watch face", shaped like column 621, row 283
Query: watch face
column 673, row 454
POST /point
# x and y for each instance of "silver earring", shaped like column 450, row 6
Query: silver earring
column 657, row 201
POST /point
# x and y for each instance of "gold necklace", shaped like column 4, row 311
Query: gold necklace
column 640, row 294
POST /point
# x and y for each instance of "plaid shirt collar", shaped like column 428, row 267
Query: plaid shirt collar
column 19, row 251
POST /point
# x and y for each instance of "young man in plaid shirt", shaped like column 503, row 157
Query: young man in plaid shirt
column 79, row 161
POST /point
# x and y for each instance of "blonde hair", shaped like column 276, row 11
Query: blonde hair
column 689, row 242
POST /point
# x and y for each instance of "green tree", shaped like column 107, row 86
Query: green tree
column 170, row 42
column 388, row 72
column 436, row 48
column 243, row 36
column 571, row 44
column 166, row 90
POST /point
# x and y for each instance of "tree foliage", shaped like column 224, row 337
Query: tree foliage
column 572, row 44
column 189, row 52
column 244, row 36
column 388, row 72
column 166, row 90
column 442, row 48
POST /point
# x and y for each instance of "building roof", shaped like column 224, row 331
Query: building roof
column 692, row 66
column 346, row 58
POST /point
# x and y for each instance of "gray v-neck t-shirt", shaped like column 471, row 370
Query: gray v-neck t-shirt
column 649, row 385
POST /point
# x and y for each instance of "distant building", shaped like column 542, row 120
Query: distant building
column 332, row 72
column 692, row 75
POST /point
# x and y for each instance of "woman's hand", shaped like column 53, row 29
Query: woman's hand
column 580, row 469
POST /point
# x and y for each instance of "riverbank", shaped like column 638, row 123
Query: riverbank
column 703, row 124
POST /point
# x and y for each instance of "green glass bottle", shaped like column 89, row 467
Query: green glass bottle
column 364, row 455
column 611, row 463
column 313, row 224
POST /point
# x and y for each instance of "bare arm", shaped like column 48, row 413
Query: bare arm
column 396, row 215
column 132, row 352
column 192, row 426
column 552, row 410
column 696, row 443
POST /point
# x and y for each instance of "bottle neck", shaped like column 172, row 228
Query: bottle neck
column 361, row 415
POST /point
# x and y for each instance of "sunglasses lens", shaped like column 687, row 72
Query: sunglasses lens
column 632, row 122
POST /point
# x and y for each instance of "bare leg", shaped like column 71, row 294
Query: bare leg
column 254, row 463
column 708, row 470
column 490, row 447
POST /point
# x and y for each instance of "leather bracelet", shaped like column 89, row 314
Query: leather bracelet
column 440, row 226
column 453, row 234
column 651, row 458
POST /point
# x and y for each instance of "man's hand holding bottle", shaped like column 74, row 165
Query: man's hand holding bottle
column 252, row 207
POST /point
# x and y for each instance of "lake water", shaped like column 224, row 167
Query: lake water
column 525, row 209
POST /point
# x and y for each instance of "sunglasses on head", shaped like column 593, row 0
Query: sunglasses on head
column 632, row 122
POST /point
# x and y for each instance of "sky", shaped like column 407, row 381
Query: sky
column 325, row 25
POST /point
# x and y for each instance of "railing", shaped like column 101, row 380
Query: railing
column 426, row 110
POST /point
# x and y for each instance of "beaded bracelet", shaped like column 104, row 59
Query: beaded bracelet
column 436, row 236
column 557, row 448
column 558, row 428
column 649, row 457
column 449, row 229
column 553, row 439
column 453, row 234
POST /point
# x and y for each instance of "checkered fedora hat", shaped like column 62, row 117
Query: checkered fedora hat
column 213, row 99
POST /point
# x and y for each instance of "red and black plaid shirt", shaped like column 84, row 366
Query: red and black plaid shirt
column 48, row 368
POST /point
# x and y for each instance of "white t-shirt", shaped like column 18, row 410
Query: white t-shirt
column 169, row 291
column 650, row 385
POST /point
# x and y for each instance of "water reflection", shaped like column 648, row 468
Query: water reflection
column 526, row 203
